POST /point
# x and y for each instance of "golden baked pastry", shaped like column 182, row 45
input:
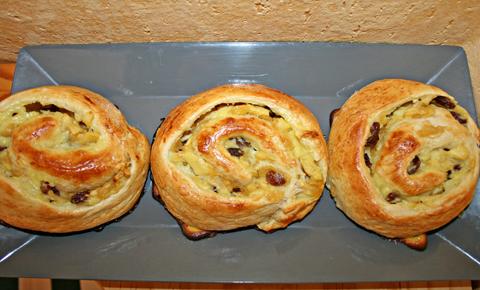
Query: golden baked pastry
column 403, row 159
column 68, row 160
column 236, row 156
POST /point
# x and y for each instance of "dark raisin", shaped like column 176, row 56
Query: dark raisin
column 332, row 116
column 273, row 115
column 14, row 114
column 392, row 197
column 414, row 165
column 55, row 190
column 458, row 117
column 367, row 160
column 2, row 148
column 44, row 187
column 242, row 142
column 237, row 152
column 406, row 104
column 214, row 188
column 80, row 197
column 83, row 125
column 449, row 172
column 38, row 107
column 446, row 149
column 275, row 178
column 373, row 139
column 457, row 167
column 236, row 189
column 443, row 102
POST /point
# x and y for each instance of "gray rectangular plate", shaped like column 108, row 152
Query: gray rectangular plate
column 147, row 80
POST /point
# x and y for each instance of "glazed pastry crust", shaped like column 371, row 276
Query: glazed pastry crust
column 410, row 124
column 202, row 196
column 69, row 160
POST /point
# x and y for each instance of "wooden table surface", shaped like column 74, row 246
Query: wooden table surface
column 6, row 77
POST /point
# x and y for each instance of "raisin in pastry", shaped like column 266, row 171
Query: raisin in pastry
column 403, row 159
column 68, row 160
column 237, row 156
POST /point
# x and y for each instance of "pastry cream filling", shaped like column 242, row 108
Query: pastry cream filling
column 68, row 135
column 245, row 150
column 433, row 152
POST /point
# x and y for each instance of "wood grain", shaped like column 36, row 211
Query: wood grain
column 34, row 284
column 443, row 285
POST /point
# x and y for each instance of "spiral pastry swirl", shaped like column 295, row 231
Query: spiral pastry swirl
column 68, row 160
column 239, row 155
column 404, row 158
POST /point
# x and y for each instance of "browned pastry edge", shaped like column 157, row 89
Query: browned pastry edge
column 195, row 234
column 97, row 228
column 418, row 242
column 190, row 232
